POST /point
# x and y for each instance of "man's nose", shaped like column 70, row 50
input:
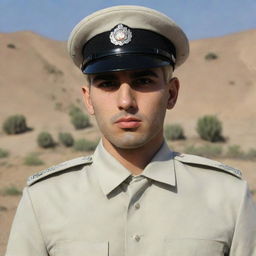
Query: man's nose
column 126, row 97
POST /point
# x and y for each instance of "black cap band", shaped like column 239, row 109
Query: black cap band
column 146, row 49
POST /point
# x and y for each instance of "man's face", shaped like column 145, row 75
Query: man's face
column 130, row 106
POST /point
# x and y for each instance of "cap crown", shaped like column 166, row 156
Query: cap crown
column 136, row 17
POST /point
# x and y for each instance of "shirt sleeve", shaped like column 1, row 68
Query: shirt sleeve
column 25, row 237
column 244, row 238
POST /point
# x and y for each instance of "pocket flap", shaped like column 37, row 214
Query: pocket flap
column 81, row 248
column 194, row 247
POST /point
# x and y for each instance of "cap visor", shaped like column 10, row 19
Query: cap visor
column 124, row 62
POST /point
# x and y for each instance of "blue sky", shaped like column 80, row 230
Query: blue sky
column 199, row 18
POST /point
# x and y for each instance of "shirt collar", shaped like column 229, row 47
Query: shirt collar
column 111, row 173
column 161, row 168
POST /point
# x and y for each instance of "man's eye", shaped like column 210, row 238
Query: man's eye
column 107, row 85
column 143, row 81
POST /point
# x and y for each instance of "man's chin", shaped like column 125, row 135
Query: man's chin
column 129, row 147
column 129, row 142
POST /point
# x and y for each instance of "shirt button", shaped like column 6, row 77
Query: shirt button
column 137, row 206
column 137, row 238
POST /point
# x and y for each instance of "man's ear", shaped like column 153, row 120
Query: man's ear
column 87, row 99
column 174, row 86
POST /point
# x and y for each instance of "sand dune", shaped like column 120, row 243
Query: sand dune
column 39, row 80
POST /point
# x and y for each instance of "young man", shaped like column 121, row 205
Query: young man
column 134, row 196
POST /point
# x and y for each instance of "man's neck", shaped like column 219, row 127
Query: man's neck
column 135, row 159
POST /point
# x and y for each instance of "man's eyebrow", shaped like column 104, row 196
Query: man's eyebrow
column 101, row 77
column 144, row 73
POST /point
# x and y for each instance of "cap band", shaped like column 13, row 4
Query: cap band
column 141, row 51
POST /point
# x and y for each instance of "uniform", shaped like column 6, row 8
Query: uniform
column 180, row 205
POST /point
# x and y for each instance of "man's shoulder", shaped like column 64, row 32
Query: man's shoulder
column 202, row 162
column 59, row 169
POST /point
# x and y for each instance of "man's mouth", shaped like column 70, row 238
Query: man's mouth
column 128, row 122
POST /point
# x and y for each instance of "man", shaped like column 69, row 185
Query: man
column 134, row 196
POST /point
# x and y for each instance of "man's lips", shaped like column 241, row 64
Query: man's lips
column 128, row 122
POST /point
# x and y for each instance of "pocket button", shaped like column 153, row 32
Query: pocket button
column 137, row 238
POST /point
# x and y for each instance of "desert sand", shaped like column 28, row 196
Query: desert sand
column 38, row 80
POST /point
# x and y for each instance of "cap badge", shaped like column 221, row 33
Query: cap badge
column 121, row 35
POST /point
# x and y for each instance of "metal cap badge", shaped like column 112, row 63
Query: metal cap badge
column 120, row 35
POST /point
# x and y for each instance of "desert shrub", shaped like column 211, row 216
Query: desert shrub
column 78, row 118
column 80, row 121
column 251, row 154
column 205, row 151
column 53, row 97
column 174, row 132
column 66, row 139
column 3, row 208
column 234, row 151
column 51, row 69
column 3, row 153
column 58, row 105
column 11, row 46
column 85, row 145
column 45, row 140
column 74, row 110
column 11, row 191
column 15, row 124
column 210, row 128
column 191, row 149
column 211, row 56
column 32, row 159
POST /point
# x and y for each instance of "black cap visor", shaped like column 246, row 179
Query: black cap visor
column 124, row 62
column 143, row 49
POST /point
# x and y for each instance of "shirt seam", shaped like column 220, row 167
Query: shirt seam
column 242, row 200
column 36, row 219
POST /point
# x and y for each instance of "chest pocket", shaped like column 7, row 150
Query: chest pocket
column 80, row 248
column 194, row 247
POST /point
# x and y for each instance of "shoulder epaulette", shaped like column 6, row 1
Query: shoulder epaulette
column 59, row 167
column 198, row 160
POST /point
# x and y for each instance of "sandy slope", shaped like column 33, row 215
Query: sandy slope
column 37, row 79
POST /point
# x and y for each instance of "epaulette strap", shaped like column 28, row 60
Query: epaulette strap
column 197, row 160
column 59, row 167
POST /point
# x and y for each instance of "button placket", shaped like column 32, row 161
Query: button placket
column 135, row 190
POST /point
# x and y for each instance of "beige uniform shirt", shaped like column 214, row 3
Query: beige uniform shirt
column 180, row 205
